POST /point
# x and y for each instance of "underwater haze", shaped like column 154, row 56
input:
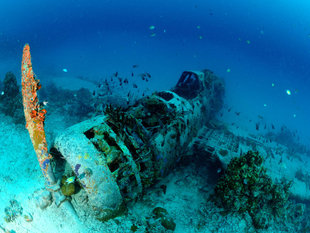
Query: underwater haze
column 261, row 51
column 265, row 46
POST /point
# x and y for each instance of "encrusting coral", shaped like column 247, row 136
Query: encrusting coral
column 35, row 114
column 246, row 187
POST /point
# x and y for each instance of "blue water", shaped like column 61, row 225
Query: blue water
column 260, row 42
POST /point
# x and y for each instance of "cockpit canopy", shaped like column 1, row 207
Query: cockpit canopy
column 188, row 85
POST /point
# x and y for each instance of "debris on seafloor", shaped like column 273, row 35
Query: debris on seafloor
column 13, row 211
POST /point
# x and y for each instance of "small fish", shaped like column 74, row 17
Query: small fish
column 126, row 80
column 132, row 74
column 229, row 109
column 115, row 74
column 260, row 117
column 28, row 218
column 134, row 85
column 2, row 92
column 135, row 66
column 152, row 27
column 257, row 126
column 70, row 180
column 65, row 70
column 272, row 126
column 237, row 113
column 148, row 74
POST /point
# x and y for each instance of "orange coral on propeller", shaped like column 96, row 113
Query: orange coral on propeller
column 35, row 115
